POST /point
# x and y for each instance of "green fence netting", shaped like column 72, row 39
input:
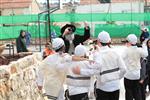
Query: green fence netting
column 114, row 30
column 118, row 30
column 77, row 17
column 8, row 31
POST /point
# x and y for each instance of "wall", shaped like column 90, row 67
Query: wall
column 34, row 8
column 111, row 8
column 85, row 2
column 17, row 11
column 114, row 8
column 17, row 80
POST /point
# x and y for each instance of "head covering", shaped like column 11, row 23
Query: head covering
column 104, row 37
column 80, row 50
column 131, row 38
column 57, row 43
column 66, row 26
column 146, row 29
column 21, row 31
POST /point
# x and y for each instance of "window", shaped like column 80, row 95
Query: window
column 104, row 1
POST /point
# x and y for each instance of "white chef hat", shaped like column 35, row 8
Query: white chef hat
column 80, row 50
column 131, row 38
column 104, row 37
column 57, row 43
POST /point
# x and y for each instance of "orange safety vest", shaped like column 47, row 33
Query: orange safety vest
column 48, row 52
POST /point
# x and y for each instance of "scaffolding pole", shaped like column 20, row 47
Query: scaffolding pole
column 49, row 29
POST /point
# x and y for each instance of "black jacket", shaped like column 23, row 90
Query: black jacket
column 148, row 61
column 77, row 39
column 143, row 71
column 143, row 36
column 20, row 44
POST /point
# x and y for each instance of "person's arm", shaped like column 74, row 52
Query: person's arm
column 78, row 58
column 86, row 31
column 82, row 38
column 67, row 59
column 122, row 67
column 143, row 70
column 39, row 80
column 92, row 69
column 144, row 51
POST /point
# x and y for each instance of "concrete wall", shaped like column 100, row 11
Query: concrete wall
column 17, row 11
column 111, row 8
column 114, row 8
column 32, row 9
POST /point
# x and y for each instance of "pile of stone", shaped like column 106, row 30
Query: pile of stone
column 18, row 79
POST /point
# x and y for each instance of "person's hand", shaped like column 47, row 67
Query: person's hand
column 141, row 81
column 86, row 24
column 76, row 70
column 40, row 87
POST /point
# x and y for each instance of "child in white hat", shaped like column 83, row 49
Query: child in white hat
column 52, row 70
column 78, row 85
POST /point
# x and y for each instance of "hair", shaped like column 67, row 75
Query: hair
column 60, row 49
column 147, row 43
column 130, row 43
column 21, row 31
column 106, row 44
column 47, row 44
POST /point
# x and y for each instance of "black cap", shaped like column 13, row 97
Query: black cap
column 66, row 26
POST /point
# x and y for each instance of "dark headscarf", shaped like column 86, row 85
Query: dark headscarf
column 20, row 43
column 148, row 57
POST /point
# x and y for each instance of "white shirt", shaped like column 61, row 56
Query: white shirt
column 107, row 60
column 132, row 56
column 74, row 90
column 52, row 74
column 78, row 84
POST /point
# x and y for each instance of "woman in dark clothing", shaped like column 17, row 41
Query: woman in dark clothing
column 144, row 35
column 148, row 64
column 143, row 77
column 20, row 42
column 66, row 35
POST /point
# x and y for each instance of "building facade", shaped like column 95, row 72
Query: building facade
column 18, row 7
